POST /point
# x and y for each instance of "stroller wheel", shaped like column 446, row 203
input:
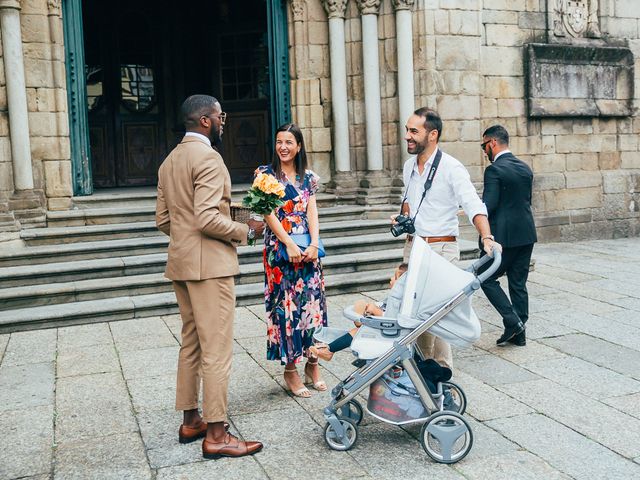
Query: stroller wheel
column 454, row 398
column 351, row 411
column 348, row 440
column 446, row 437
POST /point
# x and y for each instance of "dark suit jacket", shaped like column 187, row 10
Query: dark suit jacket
column 507, row 194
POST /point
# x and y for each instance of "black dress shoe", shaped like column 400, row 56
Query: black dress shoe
column 509, row 333
column 519, row 340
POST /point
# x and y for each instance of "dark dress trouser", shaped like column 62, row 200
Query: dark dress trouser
column 515, row 264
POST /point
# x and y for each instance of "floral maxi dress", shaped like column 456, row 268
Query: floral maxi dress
column 293, row 292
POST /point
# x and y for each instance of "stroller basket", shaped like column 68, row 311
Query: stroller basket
column 395, row 400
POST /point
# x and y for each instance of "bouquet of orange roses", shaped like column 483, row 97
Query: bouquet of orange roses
column 265, row 195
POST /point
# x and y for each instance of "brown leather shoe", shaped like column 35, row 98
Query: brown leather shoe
column 231, row 446
column 191, row 434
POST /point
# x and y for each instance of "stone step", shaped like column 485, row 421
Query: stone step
column 146, row 197
column 93, row 286
column 89, row 233
column 126, row 307
column 29, row 257
column 94, row 268
column 78, row 270
column 146, row 213
column 117, row 197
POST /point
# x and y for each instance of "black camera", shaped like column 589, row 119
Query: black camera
column 403, row 224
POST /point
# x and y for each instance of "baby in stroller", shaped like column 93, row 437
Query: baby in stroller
column 432, row 372
column 325, row 351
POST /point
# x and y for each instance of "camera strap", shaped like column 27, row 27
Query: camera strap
column 428, row 182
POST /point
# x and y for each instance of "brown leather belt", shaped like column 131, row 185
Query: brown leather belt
column 438, row 239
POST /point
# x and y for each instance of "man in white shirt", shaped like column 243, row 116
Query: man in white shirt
column 435, row 215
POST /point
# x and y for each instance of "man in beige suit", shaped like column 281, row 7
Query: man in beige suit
column 193, row 208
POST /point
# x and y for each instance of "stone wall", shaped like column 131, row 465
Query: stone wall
column 586, row 169
column 470, row 65
column 311, row 83
column 43, row 49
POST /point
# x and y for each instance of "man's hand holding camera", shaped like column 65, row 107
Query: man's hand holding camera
column 402, row 224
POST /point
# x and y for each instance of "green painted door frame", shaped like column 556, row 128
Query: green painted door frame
column 77, row 97
column 277, row 31
column 279, row 63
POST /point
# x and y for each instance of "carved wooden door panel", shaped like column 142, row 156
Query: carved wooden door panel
column 245, row 143
column 125, row 108
column 243, row 80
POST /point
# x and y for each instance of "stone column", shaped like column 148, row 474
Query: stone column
column 373, row 116
column 336, row 12
column 404, row 45
column 56, row 35
column 16, row 94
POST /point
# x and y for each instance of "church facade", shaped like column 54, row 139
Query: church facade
column 90, row 92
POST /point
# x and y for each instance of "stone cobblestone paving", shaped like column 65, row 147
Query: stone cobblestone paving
column 96, row 401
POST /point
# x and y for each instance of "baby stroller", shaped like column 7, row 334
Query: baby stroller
column 433, row 295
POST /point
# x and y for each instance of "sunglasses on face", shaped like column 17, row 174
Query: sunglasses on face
column 222, row 116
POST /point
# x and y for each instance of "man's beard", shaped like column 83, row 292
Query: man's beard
column 417, row 149
column 214, row 136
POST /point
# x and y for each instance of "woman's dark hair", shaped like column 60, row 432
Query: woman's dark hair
column 301, row 157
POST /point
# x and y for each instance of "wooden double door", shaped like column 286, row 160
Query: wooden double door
column 144, row 57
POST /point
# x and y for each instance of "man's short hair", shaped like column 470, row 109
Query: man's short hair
column 499, row 133
column 195, row 107
column 432, row 120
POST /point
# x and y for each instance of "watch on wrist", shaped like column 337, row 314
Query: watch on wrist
column 251, row 234
column 491, row 237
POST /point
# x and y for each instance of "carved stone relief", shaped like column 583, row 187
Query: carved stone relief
column 297, row 8
column 369, row 7
column 54, row 7
column 403, row 4
column 574, row 19
column 335, row 8
column 579, row 81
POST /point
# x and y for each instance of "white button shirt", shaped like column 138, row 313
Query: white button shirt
column 451, row 189
column 198, row 135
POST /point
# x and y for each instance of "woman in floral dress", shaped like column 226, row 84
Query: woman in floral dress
column 294, row 284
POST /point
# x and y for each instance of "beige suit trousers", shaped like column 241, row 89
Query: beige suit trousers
column 207, row 309
column 430, row 345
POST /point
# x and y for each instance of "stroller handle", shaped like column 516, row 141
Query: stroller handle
column 496, row 255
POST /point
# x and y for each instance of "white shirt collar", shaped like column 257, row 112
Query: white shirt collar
column 504, row 151
column 429, row 161
column 200, row 136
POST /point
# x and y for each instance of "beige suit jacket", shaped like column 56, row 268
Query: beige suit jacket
column 193, row 208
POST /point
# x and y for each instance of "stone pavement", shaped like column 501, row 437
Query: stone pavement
column 96, row 401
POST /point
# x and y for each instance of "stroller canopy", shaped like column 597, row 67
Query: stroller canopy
column 429, row 283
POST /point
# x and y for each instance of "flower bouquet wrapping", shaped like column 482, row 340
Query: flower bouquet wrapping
column 265, row 195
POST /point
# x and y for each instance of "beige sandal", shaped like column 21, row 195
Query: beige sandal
column 320, row 385
column 321, row 350
column 302, row 392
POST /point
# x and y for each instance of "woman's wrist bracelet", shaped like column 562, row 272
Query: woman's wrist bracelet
column 314, row 246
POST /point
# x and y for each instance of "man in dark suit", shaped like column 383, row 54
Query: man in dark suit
column 507, row 194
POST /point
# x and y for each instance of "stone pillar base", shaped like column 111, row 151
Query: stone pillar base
column 28, row 208
column 7, row 220
column 379, row 188
column 344, row 185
